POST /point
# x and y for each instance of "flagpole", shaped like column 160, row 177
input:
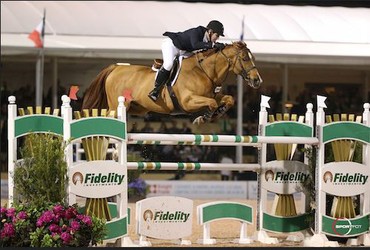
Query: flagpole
column 239, row 119
column 40, row 67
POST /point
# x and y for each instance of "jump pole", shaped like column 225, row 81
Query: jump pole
column 221, row 140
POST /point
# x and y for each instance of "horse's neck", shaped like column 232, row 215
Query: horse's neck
column 214, row 65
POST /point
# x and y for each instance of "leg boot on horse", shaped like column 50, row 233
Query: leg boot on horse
column 161, row 79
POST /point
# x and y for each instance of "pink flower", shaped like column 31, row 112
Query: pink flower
column 54, row 228
column 58, row 209
column 71, row 213
column 11, row 212
column 3, row 210
column 46, row 217
column 66, row 237
column 22, row 215
column 8, row 230
column 75, row 225
column 87, row 220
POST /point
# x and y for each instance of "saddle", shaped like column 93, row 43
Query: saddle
column 157, row 64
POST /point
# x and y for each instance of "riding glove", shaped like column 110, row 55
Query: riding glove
column 219, row 46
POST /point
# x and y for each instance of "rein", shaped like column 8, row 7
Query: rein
column 244, row 72
column 214, row 83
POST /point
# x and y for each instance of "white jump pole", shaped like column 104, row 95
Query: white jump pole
column 12, row 147
column 191, row 166
column 151, row 138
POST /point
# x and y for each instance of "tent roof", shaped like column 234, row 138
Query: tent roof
column 133, row 29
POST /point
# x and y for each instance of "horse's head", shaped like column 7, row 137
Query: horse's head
column 244, row 64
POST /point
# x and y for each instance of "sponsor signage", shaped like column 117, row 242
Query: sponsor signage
column 345, row 178
column 343, row 227
column 284, row 177
column 98, row 179
column 164, row 217
column 199, row 189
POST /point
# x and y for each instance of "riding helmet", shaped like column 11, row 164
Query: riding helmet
column 217, row 27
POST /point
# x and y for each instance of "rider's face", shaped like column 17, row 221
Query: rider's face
column 214, row 37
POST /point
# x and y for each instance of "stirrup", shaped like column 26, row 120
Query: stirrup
column 152, row 96
column 208, row 116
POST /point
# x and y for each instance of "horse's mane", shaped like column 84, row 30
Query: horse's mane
column 238, row 45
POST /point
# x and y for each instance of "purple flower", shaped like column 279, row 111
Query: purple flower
column 87, row 220
column 46, row 217
column 8, row 230
column 71, row 213
column 75, row 225
column 3, row 210
column 139, row 185
column 58, row 209
column 22, row 215
column 11, row 212
column 66, row 237
column 54, row 228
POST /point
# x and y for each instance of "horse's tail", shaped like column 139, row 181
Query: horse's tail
column 95, row 96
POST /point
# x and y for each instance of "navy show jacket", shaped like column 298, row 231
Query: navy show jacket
column 190, row 40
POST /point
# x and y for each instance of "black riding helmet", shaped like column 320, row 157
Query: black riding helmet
column 217, row 27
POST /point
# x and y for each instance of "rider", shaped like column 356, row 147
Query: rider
column 199, row 38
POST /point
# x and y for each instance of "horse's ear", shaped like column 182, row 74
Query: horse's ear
column 239, row 44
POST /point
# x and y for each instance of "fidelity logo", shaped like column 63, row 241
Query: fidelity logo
column 161, row 216
column 94, row 179
column 281, row 176
column 345, row 179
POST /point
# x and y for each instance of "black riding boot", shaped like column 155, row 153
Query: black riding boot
column 161, row 79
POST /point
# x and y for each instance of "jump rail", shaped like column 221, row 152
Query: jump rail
column 221, row 140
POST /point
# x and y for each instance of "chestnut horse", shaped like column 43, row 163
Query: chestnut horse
column 196, row 90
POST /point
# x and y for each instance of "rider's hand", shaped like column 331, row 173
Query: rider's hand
column 219, row 46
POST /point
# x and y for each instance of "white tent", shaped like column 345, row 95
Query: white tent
column 133, row 29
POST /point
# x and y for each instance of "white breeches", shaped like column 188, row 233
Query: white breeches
column 169, row 52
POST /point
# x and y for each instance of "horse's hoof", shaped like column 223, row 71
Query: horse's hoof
column 198, row 120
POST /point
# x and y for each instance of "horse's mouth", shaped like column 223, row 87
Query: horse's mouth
column 254, row 83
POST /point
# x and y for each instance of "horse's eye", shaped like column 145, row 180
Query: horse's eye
column 246, row 58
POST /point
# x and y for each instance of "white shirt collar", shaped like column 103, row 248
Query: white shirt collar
column 206, row 37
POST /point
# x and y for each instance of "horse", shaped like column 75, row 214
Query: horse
column 195, row 91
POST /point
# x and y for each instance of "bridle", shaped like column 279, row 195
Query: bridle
column 244, row 72
column 231, row 63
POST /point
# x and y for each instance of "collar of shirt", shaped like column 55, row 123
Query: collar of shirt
column 206, row 37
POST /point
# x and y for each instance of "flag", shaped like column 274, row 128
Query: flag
column 73, row 92
column 37, row 35
column 127, row 94
column 242, row 33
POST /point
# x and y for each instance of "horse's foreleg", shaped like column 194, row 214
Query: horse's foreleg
column 226, row 103
column 196, row 103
